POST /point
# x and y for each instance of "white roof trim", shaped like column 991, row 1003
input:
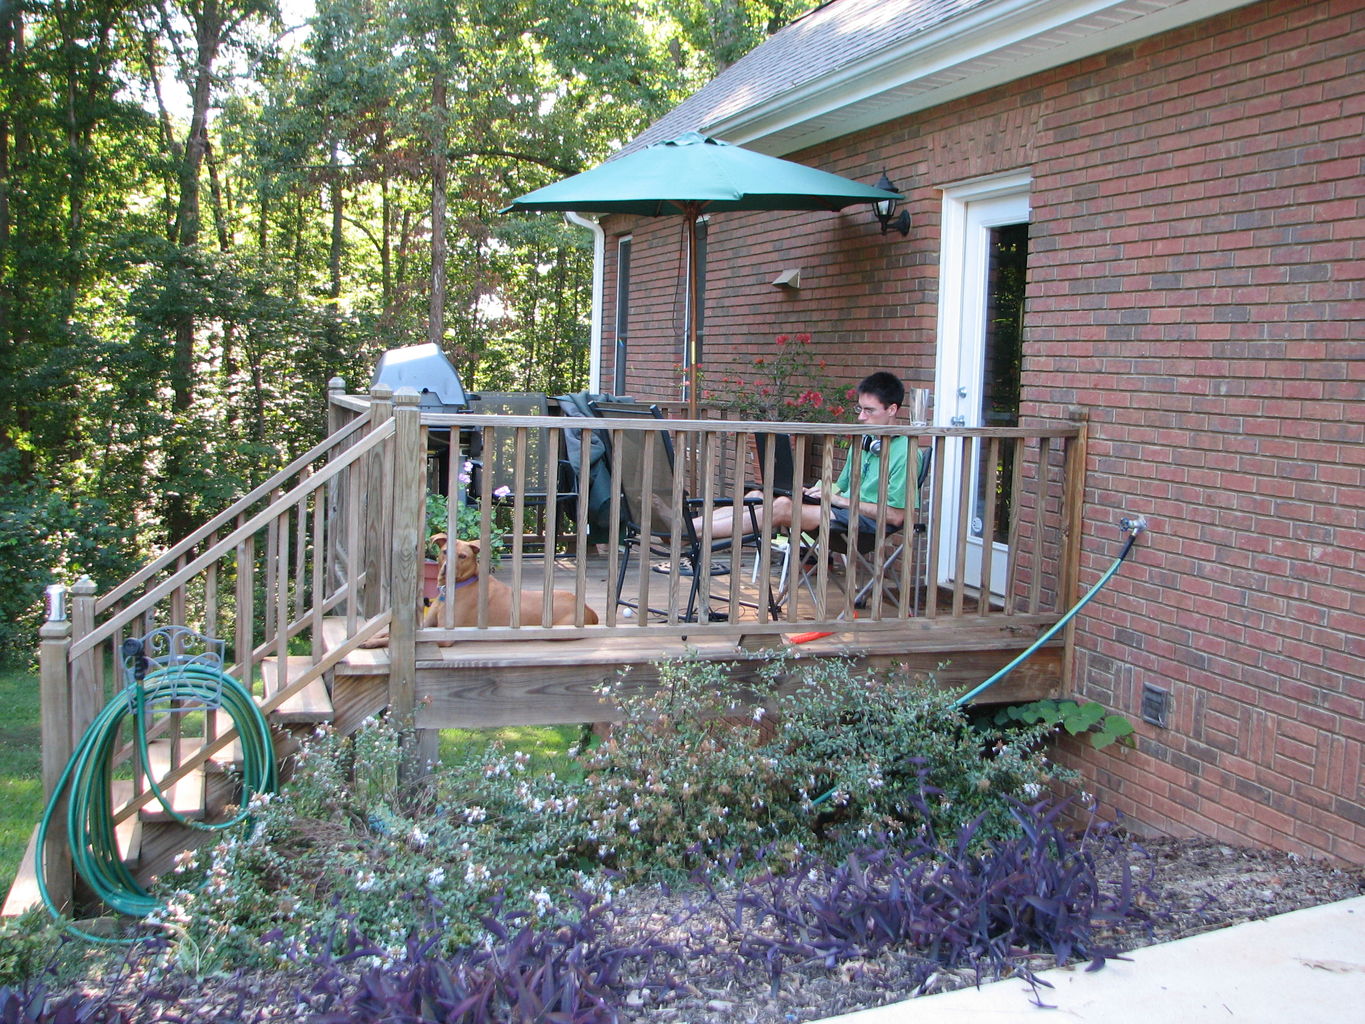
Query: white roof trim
column 985, row 46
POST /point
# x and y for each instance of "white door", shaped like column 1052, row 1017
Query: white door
column 982, row 273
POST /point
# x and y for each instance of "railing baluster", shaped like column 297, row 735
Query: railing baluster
column 987, row 487
column 272, row 554
column 614, row 561
column 1039, row 504
column 279, row 570
column 791, row 586
column 351, row 482
column 301, row 551
column 963, row 524
column 1018, row 450
column 488, row 440
column 246, row 596
column 518, row 530
column 935, row 528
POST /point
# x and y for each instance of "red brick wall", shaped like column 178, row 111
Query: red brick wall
column 1196, row 266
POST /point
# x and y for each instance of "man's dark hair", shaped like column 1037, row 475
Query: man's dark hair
column 884, row 386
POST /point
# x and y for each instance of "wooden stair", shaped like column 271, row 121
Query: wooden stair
column 186, row 797
column 150, row 840
column 310, row 706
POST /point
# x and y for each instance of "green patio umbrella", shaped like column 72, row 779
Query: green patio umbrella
column 692, row 175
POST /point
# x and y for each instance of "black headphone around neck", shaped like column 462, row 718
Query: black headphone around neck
column 872, row 444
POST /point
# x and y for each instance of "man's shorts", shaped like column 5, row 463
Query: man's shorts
column 866, row 524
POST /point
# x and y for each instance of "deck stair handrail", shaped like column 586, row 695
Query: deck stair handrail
column 260, row 576
column 310, row 484
column 236, row 509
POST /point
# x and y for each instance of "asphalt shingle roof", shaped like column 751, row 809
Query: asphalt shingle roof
column 834, row 35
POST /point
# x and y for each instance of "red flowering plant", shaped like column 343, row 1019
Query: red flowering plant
column 787, row 383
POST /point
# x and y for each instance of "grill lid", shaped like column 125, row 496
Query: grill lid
column 425, row 369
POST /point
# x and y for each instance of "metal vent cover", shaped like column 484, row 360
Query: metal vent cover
column 1156, row 705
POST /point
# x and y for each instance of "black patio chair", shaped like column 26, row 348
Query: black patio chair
column 653, row 505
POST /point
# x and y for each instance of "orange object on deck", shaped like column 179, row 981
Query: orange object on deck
column 801, row 638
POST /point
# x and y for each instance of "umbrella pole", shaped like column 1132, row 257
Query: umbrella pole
column 690, row 216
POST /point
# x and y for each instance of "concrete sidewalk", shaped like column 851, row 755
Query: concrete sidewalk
column 1306, row 967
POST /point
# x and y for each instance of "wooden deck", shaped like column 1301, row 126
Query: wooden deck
column 486, row 679
column 326, row 555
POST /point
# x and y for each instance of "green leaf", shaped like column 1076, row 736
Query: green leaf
column 1083, row 717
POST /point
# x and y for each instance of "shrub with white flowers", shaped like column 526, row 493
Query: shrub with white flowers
column 699, row 773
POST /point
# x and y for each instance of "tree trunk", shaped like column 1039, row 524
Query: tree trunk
column 403, row 238
column 220, row 214
column 436, row 308
column 386, row 244
column 208, row 34
column 334, row 353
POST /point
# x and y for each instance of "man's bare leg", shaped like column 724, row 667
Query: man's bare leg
column 723, row 520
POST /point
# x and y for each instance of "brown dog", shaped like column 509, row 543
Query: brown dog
column 500, row 596
column 466, row 597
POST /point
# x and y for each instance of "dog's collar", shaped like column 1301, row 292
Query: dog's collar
column 441, row 596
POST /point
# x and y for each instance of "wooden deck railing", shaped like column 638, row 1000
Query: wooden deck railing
column 261, row 576
column 717, row 461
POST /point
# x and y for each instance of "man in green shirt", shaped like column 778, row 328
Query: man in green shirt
column 879, row 402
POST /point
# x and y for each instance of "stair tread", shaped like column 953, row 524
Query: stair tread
column 23, row 892
column 310, row 705
column 186, row 797
column 334, row 632
column 128, row 832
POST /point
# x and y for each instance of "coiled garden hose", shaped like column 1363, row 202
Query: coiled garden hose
column 88, row 776
column 1133, row 527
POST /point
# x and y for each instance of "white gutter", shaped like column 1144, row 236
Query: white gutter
column 599, row 250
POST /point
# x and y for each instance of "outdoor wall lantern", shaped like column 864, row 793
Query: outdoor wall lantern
column 885, row 209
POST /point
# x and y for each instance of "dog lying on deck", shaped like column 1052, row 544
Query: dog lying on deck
column 465, row 598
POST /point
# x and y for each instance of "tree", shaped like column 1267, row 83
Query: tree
column 176, row 287
column 720, row 32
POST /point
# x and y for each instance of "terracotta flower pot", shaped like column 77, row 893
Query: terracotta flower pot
column 431, row 581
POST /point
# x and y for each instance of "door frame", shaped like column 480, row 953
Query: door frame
column 969, row 210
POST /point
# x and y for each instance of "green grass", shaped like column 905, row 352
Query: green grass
column 21, row 760
column 546, row 744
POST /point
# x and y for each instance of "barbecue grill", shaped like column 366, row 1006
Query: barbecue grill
column 426, row 370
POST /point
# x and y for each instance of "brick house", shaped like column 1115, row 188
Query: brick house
column 1178, row 183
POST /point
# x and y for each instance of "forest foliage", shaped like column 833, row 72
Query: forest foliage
column 210, row 207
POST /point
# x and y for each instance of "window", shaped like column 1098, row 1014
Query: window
column 702, row 228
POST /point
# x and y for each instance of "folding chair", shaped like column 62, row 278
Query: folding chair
column 547, row 485
column 861, row 550
column 652, row 500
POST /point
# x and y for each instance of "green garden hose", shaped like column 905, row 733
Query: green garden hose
column 1133, row 528
column 87, row 778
